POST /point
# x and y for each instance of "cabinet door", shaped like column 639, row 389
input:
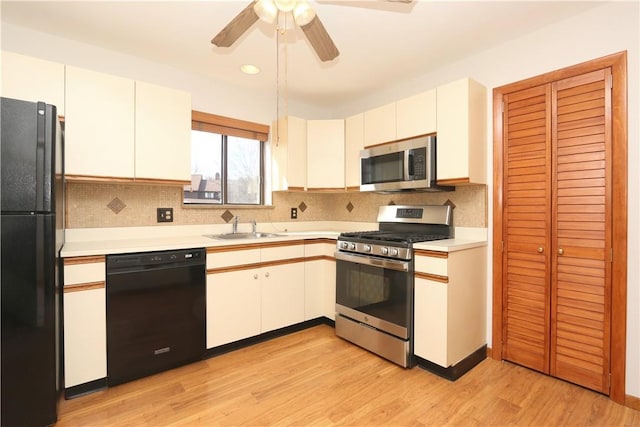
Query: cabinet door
column 380, row 125
column 163, row 133
column 33, row 79
column 430, row 321
column 233, row 306
column 461, row 124
column 282, row 295
column 354, row 143
column 416, row 115
column 325, row 154
column 289, row 154
column 85, row 336
column 99, row 124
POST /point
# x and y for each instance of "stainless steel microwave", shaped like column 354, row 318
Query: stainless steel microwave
column 400, row 166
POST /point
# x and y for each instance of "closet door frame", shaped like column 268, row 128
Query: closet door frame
column 618, row 64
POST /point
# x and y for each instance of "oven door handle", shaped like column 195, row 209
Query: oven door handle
column 390, row 264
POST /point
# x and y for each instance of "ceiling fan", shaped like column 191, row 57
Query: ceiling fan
column 268, row 10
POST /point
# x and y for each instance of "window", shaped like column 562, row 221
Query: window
column 227, row 161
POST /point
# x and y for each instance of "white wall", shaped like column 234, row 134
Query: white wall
column 610, row 28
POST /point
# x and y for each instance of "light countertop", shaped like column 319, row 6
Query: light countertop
column 116, row 241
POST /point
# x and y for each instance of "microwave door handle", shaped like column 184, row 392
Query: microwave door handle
column 408, row 165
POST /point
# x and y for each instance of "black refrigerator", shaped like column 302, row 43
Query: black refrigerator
column 32, row 236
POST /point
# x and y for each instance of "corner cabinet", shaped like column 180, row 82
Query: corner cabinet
column 289, row 154
column 319, row 279
column 117, row 129
column 450, row 309
column 353, row 144
column 33, row 79
column 462, row 133
column 85, row 326
column 325, row 155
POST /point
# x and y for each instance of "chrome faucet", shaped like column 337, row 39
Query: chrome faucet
column 253, row 226
column 235, row 224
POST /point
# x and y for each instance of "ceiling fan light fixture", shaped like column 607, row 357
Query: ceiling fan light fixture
column 303, row 13
column 285, row 5
column 266, row 10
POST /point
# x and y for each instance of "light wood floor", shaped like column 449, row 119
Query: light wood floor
column 313, row 378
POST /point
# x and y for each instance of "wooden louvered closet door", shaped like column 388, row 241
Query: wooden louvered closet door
column 557, row 210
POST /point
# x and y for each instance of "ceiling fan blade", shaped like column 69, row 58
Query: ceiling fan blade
column 236, row 27
column 320, row 40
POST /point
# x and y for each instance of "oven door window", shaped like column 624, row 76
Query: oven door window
column 375, row 291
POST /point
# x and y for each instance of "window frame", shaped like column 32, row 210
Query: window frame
column 227, row 126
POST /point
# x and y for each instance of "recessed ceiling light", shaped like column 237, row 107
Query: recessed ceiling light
column 250, row 69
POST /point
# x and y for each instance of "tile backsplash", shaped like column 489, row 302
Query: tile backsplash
column 91, row 205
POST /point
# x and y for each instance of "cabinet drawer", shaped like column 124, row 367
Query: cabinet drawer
column 282, row 252
column 431, row 265
column 232, row 258
column 77, row 271
column 319, row 249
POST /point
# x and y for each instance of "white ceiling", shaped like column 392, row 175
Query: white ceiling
column 380, row 42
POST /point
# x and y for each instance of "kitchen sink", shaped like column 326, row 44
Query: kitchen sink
column 234, row 236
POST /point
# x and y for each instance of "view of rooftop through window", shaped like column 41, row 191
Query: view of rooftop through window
column 224, row 170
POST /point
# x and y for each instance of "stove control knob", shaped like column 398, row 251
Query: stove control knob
column 352, row 246
column 384, row 250
column 344, row 245
column 367, row 248
column 393, row 252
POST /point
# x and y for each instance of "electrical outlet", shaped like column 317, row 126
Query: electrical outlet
column 294, row 213
column 165, row 214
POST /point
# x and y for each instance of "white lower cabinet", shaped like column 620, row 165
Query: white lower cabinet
column 320, row 279
column 85, row 320
column 320, row 289
column 85, row 332
column 233, row 306
column 252, row 291
column 450, row 305
column 282, row 295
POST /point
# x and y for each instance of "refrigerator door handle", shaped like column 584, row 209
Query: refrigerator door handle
column 40, row 155
column 41, row 271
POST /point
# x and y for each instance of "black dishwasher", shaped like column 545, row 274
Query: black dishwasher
column 155, row 312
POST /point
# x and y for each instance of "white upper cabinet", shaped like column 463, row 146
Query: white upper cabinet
column 289, row 154
column 462, row 133
column 99, row 124
column 117, row 128
column 416, row 115
column 163, row 133
column 354, row 143
column 33, row 79
column 325, row 154
column 380, row 125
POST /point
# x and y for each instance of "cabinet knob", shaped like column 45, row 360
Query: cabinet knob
column 266, row 274
column 540, row 249
column 560, row 251
column 255, row 276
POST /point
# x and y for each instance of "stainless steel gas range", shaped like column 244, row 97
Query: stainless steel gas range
column 374, row 278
